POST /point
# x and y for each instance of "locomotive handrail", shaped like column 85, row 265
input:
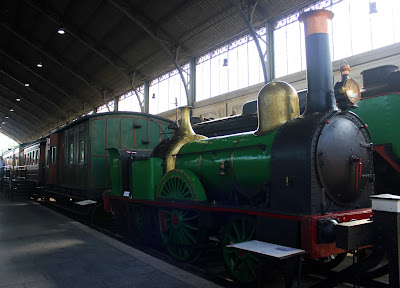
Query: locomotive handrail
column 214, row 151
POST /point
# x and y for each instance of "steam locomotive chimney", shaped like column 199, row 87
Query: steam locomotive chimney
column 320, row 95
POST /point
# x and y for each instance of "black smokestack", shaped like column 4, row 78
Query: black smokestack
column 320, row 96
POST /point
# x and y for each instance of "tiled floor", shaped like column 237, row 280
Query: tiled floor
column 41, row 248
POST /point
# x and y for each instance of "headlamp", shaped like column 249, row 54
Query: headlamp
column 347, row 91
column 351, row 91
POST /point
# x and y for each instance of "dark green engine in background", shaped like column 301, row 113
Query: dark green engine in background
column 226, row 165
column 381, row 114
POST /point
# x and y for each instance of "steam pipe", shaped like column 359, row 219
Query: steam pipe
column 320, row 95
column 185, row 129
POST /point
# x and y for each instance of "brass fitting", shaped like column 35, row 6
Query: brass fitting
column 278, row 103
column 185, row 134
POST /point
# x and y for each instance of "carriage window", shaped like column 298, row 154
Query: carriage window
column 53, row 154
column 47, row 152
column 81, row 151
column 71, row 153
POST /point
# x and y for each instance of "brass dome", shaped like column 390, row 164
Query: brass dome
column 278, row 103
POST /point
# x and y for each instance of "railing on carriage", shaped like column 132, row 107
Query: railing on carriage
column 14, row 182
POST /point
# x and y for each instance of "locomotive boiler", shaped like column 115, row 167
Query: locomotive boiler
column 289, row 182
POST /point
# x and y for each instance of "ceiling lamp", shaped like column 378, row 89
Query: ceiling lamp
column 11, row 110
column 372, row 8
column 61, row 29
column 4, row 122
column 18, row 99
column 26, row 85
column 39, row 64
column 6, row 117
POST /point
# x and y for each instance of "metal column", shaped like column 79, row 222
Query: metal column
column 146, row 96
column 116, row 103
column 192, row 82
column 270, row 51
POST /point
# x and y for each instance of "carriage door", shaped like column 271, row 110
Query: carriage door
column 52, row 158
column 42, row 162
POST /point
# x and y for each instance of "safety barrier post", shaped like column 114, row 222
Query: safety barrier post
column 386, row 208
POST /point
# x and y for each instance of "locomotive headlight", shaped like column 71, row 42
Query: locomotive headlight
column 347, row 93
column 352, row 91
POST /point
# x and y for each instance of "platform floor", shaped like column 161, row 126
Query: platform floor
column 42, row 248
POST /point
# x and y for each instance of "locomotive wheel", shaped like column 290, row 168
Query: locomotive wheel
column 135, row 223
column 180, row 229
column 181, row 185
column 121, row 212
column 181, row 233
column 242, row 265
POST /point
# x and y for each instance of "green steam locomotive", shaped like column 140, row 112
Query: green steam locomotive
column 289, row 183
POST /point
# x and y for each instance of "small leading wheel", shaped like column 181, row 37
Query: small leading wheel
column 241, row 265
column 180, row 228
column 135, row 223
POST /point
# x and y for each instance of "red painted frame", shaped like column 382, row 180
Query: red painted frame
column 308, row 222
column 380, row 149
column 309, row 231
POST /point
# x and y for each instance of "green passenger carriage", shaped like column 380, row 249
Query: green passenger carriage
column 77, row 163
